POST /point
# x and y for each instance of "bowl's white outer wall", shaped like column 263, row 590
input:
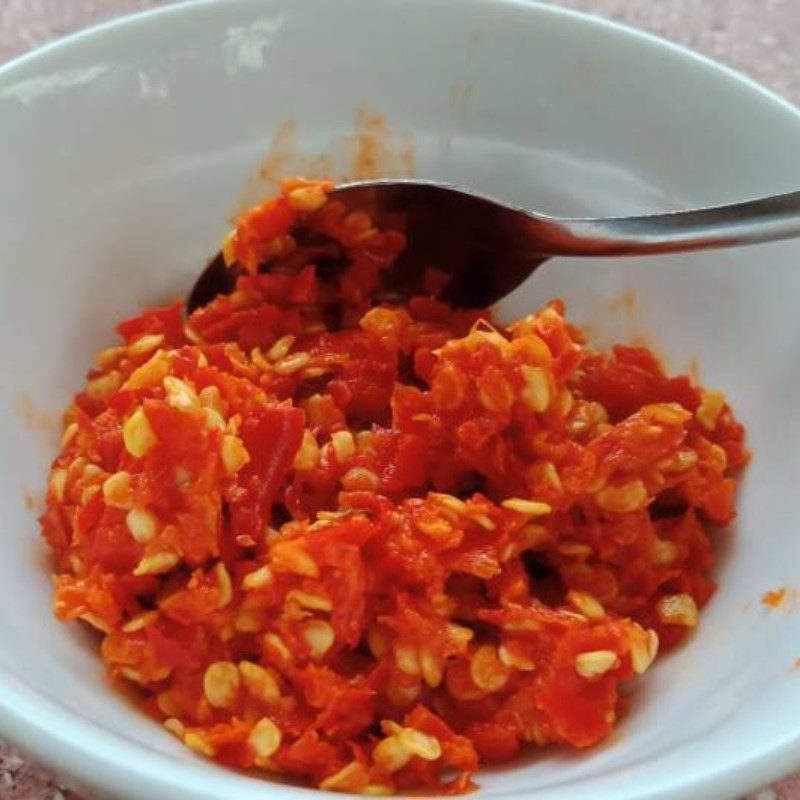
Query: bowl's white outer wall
column 122, row 152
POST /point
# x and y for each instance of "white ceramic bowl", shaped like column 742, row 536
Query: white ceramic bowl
column 124, row 150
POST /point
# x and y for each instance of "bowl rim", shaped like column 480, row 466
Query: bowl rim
column 81, row 748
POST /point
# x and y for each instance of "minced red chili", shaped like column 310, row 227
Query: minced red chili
column 374, row 546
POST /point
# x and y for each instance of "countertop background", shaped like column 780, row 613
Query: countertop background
column 758, row 37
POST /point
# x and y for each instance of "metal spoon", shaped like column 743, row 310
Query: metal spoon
column 489, row 248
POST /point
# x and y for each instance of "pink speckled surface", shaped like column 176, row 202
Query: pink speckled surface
column 756, row 36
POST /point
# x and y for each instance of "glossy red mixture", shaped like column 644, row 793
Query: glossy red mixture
column 376, row 546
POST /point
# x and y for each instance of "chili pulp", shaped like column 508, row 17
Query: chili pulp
column 373, row 546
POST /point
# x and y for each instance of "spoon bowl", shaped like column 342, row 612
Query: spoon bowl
column 488, row 248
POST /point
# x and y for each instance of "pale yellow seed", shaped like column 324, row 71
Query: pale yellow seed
column 484, row 331
column 451, row 502
column 142, row 524
column 192, row 335
column 407, row 660
column 149, row 374
column 574, row 549
column 210, row 398
column 521, row 626
column 678, row 609
column 344, row 446
column 214, row 421
column 314, row 372
column 532, row 536
column 96, row 622
column 238, row 298
column 167, row 705
column 668, row 413
column 308, row 455
column 70, row 432
column 643, row 649
column 587, row 604
column 679, row 462
column 281, row 347
column 460, row 635
column 88, row 493
column 249, row 620
column 257, row 579
column 272, row 641
column 140, row 621
column 77, row 564
column 260, row 682
column 484, row 521
column 132, row 675
column 145, row 344
column 718, row 456
column 403, row 695
column 533, row 733
column 431, row 668
column 550, row 474
column 711, row 404
column 664, row 552
column 514, row 660
column 314, row 602
column 105, row 358
column 307, row 198
column 90, row 472
column 117, row 490
column 443, row 605
column 137, row 434
column 365, row 441
column 292, row 364
column 623, row 499
column 360, row 479
column 180, row 394
column 103, row 386
column 291, row 556
column 156, row 564
column 257, row 357
column 596, row 663
column 221, row 683
column 183, row 476
column 344, row 778
column 228, row 248
column 536, row 392
column 319, row 636
column 391, row 754
column 58, row 484
column 420, row 744
column 175, row 727
column 488, row 401
column 313, row 327
column 487, row 671
column 199, row 743
column 234, row 454
column 652, row 644
column 565, row 402
column 377, row 641
column 530, row 508
column 224, row 585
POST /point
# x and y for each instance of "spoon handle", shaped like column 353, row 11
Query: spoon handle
column 762, row 220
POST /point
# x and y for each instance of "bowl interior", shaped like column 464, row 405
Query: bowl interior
column 123, row 155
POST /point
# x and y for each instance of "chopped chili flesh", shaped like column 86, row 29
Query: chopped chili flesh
column 373, row 546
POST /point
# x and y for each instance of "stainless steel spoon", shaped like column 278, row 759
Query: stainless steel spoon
column 488, row 248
